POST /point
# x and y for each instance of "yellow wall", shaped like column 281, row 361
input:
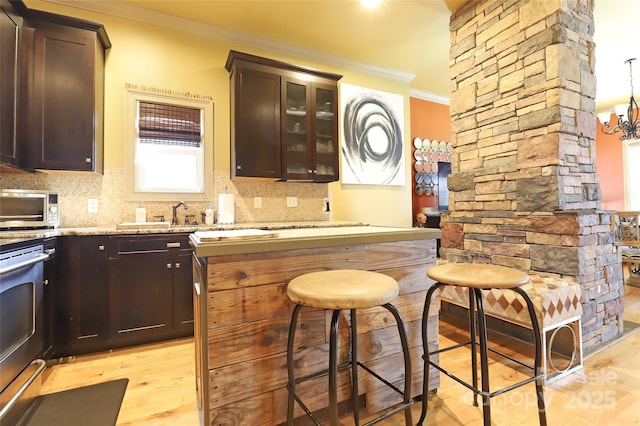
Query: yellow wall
column 154, row 56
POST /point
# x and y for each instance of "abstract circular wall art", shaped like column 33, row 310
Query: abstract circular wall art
column 373, row 145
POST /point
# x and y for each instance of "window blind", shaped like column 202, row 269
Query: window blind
column 162, row 124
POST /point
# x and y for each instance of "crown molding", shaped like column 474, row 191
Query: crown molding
column 139, row 14
column 415, row 93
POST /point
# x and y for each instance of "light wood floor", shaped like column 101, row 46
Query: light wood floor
column 161, row 385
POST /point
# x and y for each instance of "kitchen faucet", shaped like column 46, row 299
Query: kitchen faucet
column 174, row 220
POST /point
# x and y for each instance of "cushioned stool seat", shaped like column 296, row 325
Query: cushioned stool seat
column 477, row 278
column 342, row 289
column 339, row 290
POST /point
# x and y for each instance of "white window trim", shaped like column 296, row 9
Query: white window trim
column 132, row 98
column 626, row 168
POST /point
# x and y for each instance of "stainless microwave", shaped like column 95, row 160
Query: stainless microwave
column 29, row 209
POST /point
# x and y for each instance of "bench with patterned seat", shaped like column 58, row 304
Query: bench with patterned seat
column 558, row 310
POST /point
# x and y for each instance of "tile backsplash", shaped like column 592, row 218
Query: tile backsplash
column 77, row 188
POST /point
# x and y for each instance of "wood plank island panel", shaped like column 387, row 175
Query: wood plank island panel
column 245, row 316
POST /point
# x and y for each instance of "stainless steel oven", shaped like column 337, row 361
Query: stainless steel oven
column 28, row 209
column 21, row 320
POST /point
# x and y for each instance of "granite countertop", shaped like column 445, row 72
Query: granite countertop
column 308, row 238
column 11, row 235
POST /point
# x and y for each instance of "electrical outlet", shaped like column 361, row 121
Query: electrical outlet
column 92, row 205
column 257, row 202
column 326, row 205
column 292, row 201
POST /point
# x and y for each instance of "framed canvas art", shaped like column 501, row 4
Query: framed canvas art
column 372, row 146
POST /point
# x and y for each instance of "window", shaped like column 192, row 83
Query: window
column 169, row 145
column 631, row 159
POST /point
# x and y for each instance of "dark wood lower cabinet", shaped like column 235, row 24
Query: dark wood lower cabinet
column 183, row 295
column 80, row 308
column 140, row 297
column 122, row 290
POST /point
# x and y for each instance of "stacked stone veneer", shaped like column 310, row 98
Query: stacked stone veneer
column 524, row 190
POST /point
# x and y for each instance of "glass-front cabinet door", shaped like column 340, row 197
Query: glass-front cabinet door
column 309, row 142
column 296, row 162
column 325, row 131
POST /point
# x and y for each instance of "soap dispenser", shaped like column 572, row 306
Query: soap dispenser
column 141, row 214
column 208, row 215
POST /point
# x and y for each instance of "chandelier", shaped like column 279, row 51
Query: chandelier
column 627, row 125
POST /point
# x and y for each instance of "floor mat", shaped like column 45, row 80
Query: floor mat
column 95, row 405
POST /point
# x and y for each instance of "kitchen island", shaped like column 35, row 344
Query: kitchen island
column 242, row 317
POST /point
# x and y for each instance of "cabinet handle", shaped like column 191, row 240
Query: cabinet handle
column 173, row 245
column 100, row 248
column 87, row 160
column 169, row 266
column 177, row 265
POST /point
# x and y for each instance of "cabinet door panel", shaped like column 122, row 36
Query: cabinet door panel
column 9, row 27
column 257, row 126
column 296, row 153
column 62, row 105
column 183, row 295
column 325, row 132
column 140, row 296
column 80, row 306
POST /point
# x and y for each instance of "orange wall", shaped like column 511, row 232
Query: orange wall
column 609, row 167
column 432, row 121
column 429, row 120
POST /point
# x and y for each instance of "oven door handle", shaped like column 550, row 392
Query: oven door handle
column 38, row 258
column 41, row 366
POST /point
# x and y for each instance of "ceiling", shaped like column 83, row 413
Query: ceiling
column 406, row 39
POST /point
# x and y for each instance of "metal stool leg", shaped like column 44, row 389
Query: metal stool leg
column 408, row 371
column 333, row 369
column 537, row 338
column 484, row 357
column 425, row 345
column 291, row 386
column 353, row 364
column 473, row 316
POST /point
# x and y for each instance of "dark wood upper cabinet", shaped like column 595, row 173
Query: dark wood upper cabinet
column 255, row 123
column 52, row 90
column 284, row 121
column 10, row 30
column 63, row 93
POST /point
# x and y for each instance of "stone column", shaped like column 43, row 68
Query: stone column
column 524, row 191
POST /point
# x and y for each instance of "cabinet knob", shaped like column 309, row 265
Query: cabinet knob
column 87, row 160
column 100, row 248
column 177, row 265
column 169, row 266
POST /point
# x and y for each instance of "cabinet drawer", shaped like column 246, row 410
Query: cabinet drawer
column 133, row 244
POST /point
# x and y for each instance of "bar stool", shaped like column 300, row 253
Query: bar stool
column 339, row 290
column 478, row 277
